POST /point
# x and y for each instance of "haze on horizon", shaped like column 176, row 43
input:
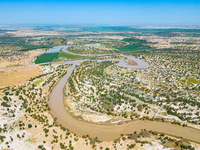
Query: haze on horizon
column 110, row 12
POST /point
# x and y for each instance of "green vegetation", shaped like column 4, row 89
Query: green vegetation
column 38, row 82
column 29, row 126
column 9, row 39
column 30, row 47
column 5, row 104
column 46, row 130
column 134, row 45
column 105, row 100
column 186, row 77
column 175, row 43
column 47, row 57
column 33, row 102
column 92, row 50
column 2, row 138
column 68, row 56
column 171, row 84
column 132, row 88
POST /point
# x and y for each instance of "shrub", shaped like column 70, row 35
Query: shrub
column 40, row 146
column 132, row 146
column 62, row 146
column 2, row 138
column 4, row 104
column 6, row 93
column 162, row 134
column 5, row 98
column 29, row 125
column 46, row 130
column 124, row 138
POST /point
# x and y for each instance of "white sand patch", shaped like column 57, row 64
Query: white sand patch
column 175, row 106
column 158, row 112
column 47, row 69
column 7, row 117
column 123, row 107
column 155, row 146
column 25, row 143
column 95, row 118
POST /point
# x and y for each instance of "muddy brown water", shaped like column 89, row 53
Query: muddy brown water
column 106, row 132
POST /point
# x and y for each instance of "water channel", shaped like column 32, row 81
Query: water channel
column 111, row 132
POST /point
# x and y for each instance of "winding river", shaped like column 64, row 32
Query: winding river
column 111, row 132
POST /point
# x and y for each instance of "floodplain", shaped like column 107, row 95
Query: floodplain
column 107, row 99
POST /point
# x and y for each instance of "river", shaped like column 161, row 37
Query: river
column 110, row 132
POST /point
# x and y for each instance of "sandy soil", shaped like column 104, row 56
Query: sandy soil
column 18, row 75
column 131, row 62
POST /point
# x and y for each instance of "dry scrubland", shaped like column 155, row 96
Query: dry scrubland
column 173, row 42
column 11, row 57
column 27, row 123
column 100, row 93
column 167, row 91
column 17, row 73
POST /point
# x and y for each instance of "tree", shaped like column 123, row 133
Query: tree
column 139, row 107
column 6, row 93
column 62, row 146
column 46, row 130
column 29, row 126
column 40, row 146
column 5, row 98
column 2, row 138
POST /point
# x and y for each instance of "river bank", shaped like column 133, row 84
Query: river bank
column 109, row 133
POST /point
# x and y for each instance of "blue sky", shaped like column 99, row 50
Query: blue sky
column 100, row 12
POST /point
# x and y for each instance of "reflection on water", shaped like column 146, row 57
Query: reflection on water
column 56, row 49
column 141, row 64
column 39, row 38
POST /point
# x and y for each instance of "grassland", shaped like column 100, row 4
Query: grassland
column 133, row 48
column 134, row 44
column 48, row 57
column 68, row 56
column 175, row 43
column 38, row 82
